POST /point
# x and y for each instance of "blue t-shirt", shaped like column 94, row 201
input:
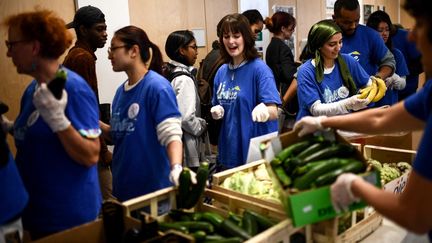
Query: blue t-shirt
column 140, row 163
column 62, row 192
column 410, row 52
column 331, row 89
column 391, row 95
column 13, row 196
column 238, row 91
column 420, row 106
column 366, row 46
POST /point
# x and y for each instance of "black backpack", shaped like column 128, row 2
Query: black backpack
column 169, row 73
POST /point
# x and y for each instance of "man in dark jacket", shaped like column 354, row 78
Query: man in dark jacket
column 90, row 29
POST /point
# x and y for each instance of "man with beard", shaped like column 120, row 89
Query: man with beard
column 362, row 42
column 90, row 29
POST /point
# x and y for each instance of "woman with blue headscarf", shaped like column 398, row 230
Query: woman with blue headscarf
column 328, row 80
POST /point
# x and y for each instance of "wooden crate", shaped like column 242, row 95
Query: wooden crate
column 327, row 231
column 222, row 204
column 219, row 178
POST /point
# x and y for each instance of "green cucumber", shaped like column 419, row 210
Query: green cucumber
column 164, row 226
column 312, row 149
column 199, row 235
column 180, row 215
column 196, row 225
column 214, row 218
column 233, row 229
column 330, row 177
column 337, row 150
column 184, row 187
column 198, row 188
column 305, row 181
column 284, row 179
column 292, row 150
column 249, row 224
column 301, row 170
column 235, row 218
column 224, row 240
column 263, row 221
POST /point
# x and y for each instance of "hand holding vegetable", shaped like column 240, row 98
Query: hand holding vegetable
column 341, row 194
column 51, row 109
column 308, row 124
column 175, row 174
column 260, row 113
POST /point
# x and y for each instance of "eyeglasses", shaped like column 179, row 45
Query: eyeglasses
column 113, row 48
column 10, row 44
column 195, row 47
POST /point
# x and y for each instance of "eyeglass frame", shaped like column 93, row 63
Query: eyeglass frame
column 195, row 47
column 10, row 44
column 113, row 48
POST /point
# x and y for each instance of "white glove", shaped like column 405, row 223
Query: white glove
column 260, row 113
column 341, row 194
column 217, row 112
column 308, row 125
column 355, row 104
column 175, row 174
column 51, row 109
column 6, row 124
column 395, row 82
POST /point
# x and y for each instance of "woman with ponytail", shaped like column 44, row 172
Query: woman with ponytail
column 328, row 80
column 145, row 125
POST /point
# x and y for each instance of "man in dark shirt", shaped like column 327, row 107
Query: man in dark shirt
column 90, row 29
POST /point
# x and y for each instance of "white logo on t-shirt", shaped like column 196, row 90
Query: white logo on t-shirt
column 133, row 111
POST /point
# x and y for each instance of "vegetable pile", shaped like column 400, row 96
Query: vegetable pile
column 389, row 171
column 314, row 162
column 255, row 183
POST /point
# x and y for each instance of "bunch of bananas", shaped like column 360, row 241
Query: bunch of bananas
column 374, row 92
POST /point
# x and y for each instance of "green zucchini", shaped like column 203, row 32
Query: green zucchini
column 196, row 225
column 164, row 226
column 249, row 224
column 198, row 188
column 292, row 150
column 330, row 177
column 184, row 187
column 225, row 240
column 305, row 181
column 199, row 235
column 312, row 149
column 214, row 218
column 235, row 218
column 262, row 221
column 180, row 215
column 233, row 229
column 337, row 150
column 284, row 179
column 300, row 170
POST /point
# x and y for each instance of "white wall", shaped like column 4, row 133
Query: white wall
column 116, row 16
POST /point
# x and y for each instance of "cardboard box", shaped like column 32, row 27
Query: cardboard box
column 314, row 205
column 222, row 204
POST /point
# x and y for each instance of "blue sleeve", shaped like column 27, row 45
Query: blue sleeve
column 422, row 164
column 217, row 80
column 378, row 47
column 420, row 104
column 307, row 89
column 164, row 104
column 267, row 91
column 358, row 74
column 401, row 66
column 82, row 108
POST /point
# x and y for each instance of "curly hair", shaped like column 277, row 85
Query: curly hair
column 44, row 26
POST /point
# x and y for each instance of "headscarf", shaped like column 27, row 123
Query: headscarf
column 318, row 35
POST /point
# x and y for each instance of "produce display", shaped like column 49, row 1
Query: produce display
column 389, row 171
column 314, row 162
column 256, row 183
column 374, row 92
